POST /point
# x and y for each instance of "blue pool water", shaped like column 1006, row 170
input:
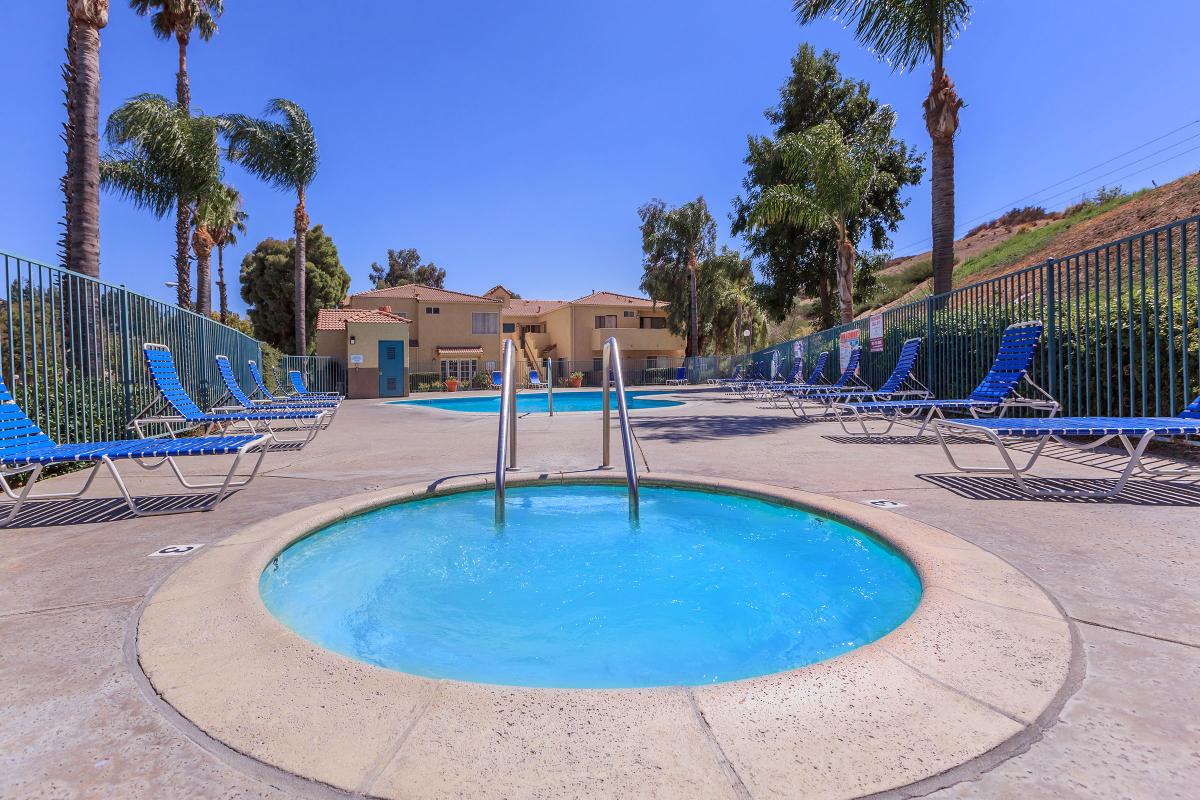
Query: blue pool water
column 708, row 588
column 536, row 401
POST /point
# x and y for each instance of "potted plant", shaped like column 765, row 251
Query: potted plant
column 576, row 379
column 451, row 384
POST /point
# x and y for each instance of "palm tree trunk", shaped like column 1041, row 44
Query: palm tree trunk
column 845, row 278
column 202, row 243
column 694, row 297
column 222, row 294
column 183, row 87
column 941, row 120
column 183, row 265
column 83, row 241
column 68, row 137
column 301, row 327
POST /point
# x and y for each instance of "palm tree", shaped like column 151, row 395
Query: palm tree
column 285, row 155
column 679, row 238
column 161, row 157
column 82, row 184
column 906, row 33
column 829, row 178
column 178, row 18
column 222, row 220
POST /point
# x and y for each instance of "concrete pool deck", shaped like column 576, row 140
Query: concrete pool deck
column 82, row 720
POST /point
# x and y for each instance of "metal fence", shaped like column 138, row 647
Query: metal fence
column 1121, row 331
column 321, row 373
column 72, row 350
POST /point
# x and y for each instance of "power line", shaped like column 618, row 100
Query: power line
column 1013, row 203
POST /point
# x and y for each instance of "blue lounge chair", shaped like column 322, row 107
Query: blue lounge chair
column 26, row 448
column 997, row 393
column 261, row 390
column 901, row 383
column 738, row 372
column 179, row 412
column 497, row 378
column 761, row 388
column 680, row 378
column 244, row 403
column 302, row 392
column 1134, row 434
column 818, row 383
column 535, row 380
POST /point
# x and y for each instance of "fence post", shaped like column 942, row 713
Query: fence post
column 126, row 355
column 930, row 356
column 1051, row 328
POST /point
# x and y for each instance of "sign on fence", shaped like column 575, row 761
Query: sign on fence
column 847, row 341
column 875, row 332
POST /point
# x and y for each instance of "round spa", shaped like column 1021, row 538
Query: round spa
column 706, row 588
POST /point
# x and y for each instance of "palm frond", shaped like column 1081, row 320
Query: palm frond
column 904, row 33
column 282, row 154
column 136, row 179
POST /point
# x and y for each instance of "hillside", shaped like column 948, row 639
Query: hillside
column 999, row 249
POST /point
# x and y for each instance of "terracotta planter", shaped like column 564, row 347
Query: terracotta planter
column 576, row 383
column 451, row 385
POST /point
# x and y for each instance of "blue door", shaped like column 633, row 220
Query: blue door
column 391, row 368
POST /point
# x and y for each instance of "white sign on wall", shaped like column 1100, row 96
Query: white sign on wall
column 356, row 358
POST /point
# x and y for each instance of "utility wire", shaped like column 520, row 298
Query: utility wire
column 1013, row 203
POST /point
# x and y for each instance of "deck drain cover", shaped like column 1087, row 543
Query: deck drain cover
column 175, row 550
column 885, row 503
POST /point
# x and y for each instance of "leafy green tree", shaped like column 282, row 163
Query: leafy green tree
column 284, row 155
column 161, row 157
column 405, row 267
column 729, row 302
column 219, row 220
column 906, row 33
column 792, row 259
column 829, row 177
column 674, row 242
column 268, row 276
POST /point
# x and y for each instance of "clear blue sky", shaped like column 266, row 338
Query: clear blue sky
column 514, row 142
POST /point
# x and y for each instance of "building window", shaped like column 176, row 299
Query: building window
column 413, row 343
column 487, row 322
column 657, row 323
column 629, row 314
column 433, row 310
column 510, row 327
column 461, row 368
column 654, row 362
column 606, row 321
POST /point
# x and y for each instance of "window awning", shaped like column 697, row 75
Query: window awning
column 460, row 351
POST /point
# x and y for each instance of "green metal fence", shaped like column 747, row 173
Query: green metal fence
column 321, row 373
column 72, row 350
column 1121, row 329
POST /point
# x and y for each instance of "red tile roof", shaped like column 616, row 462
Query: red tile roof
column 614, row 299
column 335, row 319
column 531, row 308
column 477, row 350
column 426, row 294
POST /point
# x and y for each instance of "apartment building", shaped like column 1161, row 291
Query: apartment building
column 451, row 334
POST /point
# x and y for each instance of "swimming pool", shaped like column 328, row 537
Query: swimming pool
column 535, row 402
column 707, row 588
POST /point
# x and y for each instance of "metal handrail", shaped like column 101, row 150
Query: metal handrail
column 612, row 360
column 506, row 443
